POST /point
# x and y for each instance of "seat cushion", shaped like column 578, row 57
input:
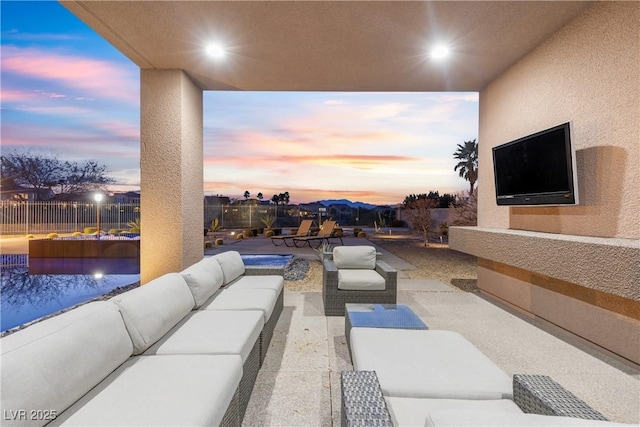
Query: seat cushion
column 231, row 264
column 151, row 310
column 428, row 364
column 275, row 283
column 507, row 419
column 406, row 411
column 361, row 257
column 243, row 299
column 172, row 390
column 212, row 332
column 50, row 365
column 204, row 279
column 360, row 280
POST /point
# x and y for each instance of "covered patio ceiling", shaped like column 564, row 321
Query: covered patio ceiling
column 329, row 45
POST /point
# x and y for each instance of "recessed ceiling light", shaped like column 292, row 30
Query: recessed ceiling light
column 440, row 52
column 216, row 51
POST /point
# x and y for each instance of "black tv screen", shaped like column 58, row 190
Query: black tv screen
column 538, row 169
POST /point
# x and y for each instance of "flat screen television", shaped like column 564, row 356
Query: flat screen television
column 538, row 169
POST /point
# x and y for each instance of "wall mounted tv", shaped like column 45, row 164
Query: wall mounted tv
column 538, row 169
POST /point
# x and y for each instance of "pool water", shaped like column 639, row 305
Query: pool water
column 25, row 296
column 264, row 260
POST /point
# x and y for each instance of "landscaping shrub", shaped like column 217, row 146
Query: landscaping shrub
column 397, row 223
column 219, row 241
column 76, row 233
column 362, row 234
column 52, row 235
column 90, row 230
column 269, row 233
column 240, row 236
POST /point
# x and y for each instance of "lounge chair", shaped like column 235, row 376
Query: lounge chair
column 325, row 233
column 303, row 231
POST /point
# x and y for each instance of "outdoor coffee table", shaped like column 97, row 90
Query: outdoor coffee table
column 395, row 316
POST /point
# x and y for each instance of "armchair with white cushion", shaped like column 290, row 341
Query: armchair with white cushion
column 354, row 274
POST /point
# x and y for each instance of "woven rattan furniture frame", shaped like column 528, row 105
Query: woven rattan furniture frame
column 263, row 270
column 363, row 404
column 267, row 330
column 232, row 415
column 250, row 370
column 334, row 299
column 539, row 394
column 362, row 400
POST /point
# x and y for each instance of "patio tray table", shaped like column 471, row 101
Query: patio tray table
column 395, row 316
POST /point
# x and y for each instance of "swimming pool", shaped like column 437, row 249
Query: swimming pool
column 275, row 260
column 25, row 296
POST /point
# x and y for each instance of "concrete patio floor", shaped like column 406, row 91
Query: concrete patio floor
column 299, row 383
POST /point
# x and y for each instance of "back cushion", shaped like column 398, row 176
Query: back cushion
column 151, row 310
column 361, row 257
column 204, row 279
column 51, row 364
column 232, row 265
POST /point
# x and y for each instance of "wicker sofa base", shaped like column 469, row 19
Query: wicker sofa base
column 269, row 327
column 232, row 415
column 250, row 370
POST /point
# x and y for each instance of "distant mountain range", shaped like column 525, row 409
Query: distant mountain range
column 346, row 202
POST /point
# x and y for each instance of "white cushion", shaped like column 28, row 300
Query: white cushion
column 172, row 390
column 212, row 332
column 151, row 310
column 232, row 265
column 507, row 419
column 428, row 364
column 275, row 283
column 360, row 280
column 204, row 279
column 406, row 411
column 363, row 257
column 51, row 364
column 243, row 299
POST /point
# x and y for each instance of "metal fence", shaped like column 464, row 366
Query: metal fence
column 17, row 218
column 20, row 218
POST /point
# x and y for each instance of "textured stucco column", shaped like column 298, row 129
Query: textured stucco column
column 171, row 172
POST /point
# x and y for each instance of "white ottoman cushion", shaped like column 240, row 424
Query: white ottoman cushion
column 275, row 283
column 360, row 280
column 212, row 332
column 406, row 411
column 361, row 257
column 507, row 419
column 231, row 264
column 50, row 365
column 243, row 299
column 204, row 279
column 151, row 310
column 428, row 364
column 171, row 390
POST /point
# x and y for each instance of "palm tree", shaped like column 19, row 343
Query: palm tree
column 247, row 195
column 259, row 196
column 467, row 155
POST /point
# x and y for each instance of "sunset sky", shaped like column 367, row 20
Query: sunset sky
column 68, row 93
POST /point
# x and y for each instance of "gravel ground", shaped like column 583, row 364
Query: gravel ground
column 434, row 262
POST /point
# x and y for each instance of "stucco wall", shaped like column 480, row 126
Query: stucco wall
column 171, row 166
column 588, row 74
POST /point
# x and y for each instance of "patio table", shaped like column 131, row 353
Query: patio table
column 395, row 316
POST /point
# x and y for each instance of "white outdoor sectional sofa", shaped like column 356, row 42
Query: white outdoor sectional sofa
column 184, row 349
column 405, row 377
